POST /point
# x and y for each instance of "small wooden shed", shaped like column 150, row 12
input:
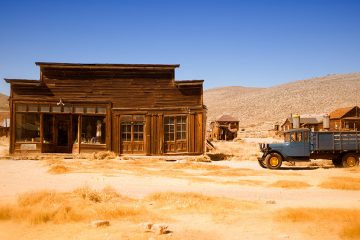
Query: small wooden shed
column 224, row 127
column 125, row 108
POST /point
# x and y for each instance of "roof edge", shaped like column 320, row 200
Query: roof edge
column 17, row 80
column 106, row 65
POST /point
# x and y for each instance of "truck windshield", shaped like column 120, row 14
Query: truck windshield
column 296, row 137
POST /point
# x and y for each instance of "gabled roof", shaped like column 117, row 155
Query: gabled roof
column 226, row 118
column 341, row 112
column 305, row 120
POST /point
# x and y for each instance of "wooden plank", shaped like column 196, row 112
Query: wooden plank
column 148, row 134
column 160, row 134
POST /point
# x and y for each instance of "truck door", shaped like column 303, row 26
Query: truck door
column 299, row 144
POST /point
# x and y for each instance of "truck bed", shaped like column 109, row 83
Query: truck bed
column 335, row 141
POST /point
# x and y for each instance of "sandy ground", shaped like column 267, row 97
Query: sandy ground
column 239, row 180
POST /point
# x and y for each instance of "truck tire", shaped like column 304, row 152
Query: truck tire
column 350, row 160
column 273, row 160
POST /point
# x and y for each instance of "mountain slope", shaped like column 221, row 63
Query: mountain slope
column 254, row 106
column 4, row 103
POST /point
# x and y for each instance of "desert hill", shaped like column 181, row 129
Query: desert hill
column 4, row 103
column 256, row 106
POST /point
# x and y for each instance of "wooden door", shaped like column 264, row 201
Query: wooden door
column 175, row 134
column 132, row 137
column 62, row 133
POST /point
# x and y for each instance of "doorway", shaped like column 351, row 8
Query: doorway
column 62, row 134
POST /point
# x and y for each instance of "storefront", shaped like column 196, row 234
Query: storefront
column 128, row 109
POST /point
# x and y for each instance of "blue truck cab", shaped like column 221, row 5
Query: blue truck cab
column 302, row 145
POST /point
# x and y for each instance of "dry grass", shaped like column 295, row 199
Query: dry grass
column 289, row 184
column 103, row 155
column 238, row 150
column 219, row 208
column 58, row 169
column 342, row 183
column 346, row 220
column 83, row 204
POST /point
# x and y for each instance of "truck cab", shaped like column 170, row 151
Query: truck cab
column 296, row 147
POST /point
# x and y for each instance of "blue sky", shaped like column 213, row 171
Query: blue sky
column 256, row 43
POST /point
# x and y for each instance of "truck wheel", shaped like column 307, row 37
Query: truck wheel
column 350, row 160
column 273, row 160
column 262, row 163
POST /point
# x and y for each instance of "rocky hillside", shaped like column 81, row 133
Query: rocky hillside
column 4, row 103
column 256, row 106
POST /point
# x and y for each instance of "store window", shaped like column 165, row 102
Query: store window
column 132, row 128
column 93, row 130
column 27, row 127
column 175, row 128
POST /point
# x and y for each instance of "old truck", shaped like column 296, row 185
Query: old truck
column 343, row 148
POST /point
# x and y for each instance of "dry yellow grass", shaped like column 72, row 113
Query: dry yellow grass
column 346, row 220
column 238, row 150
column 289, row 184
column 220, row 208
column 342, row 183
column 58, row 169
column 80, row 205
column 85, row 204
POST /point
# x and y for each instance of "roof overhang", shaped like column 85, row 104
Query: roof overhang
column 189, row 83
column 22, row 81
column 107, row 66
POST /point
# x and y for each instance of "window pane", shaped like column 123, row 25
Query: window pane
column 20, row 107
column 27, row 127
column 101, row 110
column 93, row 130
column 90, row 109
column 44, row 108
column 56, row 109
column 67, row 109
column 79, row 110
column 33, row 108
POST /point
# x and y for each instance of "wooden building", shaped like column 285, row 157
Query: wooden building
column 224, row 127
column 312, row 123
column 125, row 108
column 345, row 119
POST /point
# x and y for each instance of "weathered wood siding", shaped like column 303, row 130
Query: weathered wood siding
column 122, row 87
